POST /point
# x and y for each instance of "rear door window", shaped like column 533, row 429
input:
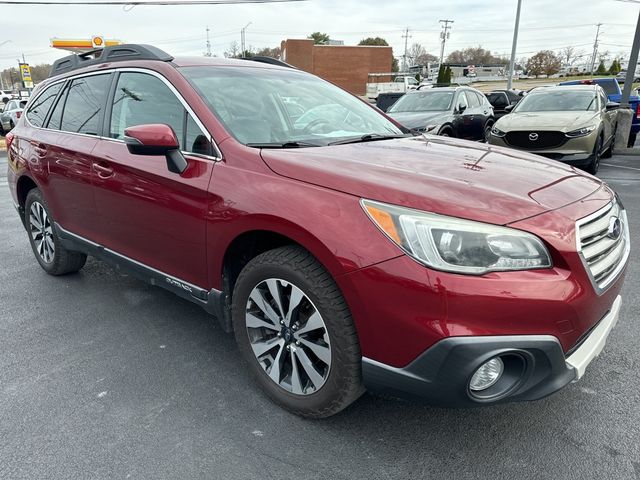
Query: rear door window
column 37, row 112
column 84, row 104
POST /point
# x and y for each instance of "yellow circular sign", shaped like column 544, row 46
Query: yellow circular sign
column 97, row 41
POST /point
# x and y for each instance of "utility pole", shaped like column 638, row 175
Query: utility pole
column 512, row 63
column 444, row 35
column 243, row 34
column 406, row 37
column 631, row 67
column 208, row 52
column 595, row 49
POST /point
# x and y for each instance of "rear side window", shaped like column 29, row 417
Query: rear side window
column 37, row 112
column 84, row 104
column 142, row 99
column 498, row 99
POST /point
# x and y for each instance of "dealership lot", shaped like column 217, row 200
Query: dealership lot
column 104, row 376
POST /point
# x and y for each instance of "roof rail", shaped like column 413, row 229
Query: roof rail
column 116, row 53
column 271, row 61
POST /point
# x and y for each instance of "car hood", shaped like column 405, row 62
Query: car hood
column 446, row 176
column 418, row 119
column 559, row 121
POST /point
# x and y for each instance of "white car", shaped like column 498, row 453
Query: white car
column 5, row 96
column 11, row 113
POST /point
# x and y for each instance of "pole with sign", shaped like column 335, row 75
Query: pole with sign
column 25, row 74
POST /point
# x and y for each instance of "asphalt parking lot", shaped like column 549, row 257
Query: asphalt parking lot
column 102, row 376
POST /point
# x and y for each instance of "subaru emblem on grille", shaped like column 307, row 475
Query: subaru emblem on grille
column 615, row 228
column 533, row 136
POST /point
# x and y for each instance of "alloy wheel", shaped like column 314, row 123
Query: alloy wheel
column 41, row 232
column 288, row 336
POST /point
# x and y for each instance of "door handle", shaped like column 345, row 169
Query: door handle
column 103, row 171
column 39, row 148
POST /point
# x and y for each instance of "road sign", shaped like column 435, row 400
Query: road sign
column 25, row 74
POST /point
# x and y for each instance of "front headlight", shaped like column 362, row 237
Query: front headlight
column 496, row 132
column 431, row 128
column 455, row 245
column 581, row 132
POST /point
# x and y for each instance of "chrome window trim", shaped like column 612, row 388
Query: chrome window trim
column 217, row 158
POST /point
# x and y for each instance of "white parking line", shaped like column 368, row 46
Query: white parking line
column 620, row 166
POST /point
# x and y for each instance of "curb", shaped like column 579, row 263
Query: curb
column 628, row 152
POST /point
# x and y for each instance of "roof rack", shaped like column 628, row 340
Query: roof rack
column 271, row 61
column 116, row 53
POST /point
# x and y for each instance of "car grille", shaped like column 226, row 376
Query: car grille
column 604, row 252
column 544, row 139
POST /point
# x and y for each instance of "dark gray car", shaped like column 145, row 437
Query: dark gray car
column 460, row 112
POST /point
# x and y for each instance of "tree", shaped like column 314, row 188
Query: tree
column 545, row 62
column 395, row 65
column 474, row 56
column 319, row 38
column 233, row 51
column 269, row 52
column 441, row 72
column 374, row 42
column 602, row 70
column 447, row 75
column 615, row 67
column 418, row 55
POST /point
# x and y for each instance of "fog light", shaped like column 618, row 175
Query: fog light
column 487, row 375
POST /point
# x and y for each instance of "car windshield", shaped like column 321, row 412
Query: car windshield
column 424, row 101
column 546, row 100
column 261, row 106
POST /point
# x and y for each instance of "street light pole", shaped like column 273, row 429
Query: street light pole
column 512, row 63
column 242, row 39
column 631, row 69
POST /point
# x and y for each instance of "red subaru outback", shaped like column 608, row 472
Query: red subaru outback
column 343, row 253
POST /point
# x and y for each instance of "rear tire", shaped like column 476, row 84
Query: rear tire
column 307, row 358
column 632, row 139
column 487, row 133
column 45, row 243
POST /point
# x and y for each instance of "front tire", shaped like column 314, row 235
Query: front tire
column 594, row 166
column 52, row 256
column 294, row 330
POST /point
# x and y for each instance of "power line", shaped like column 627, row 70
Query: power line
column 143, row 2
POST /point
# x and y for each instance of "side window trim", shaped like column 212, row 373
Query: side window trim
column 36, row 98
column 62, row 97
column 189, row 111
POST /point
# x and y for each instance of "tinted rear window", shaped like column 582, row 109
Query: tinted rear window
column 38, row 110
column 84, row 104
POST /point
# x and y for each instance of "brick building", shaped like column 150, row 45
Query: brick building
column 345, row 66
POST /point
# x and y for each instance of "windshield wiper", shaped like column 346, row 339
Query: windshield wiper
column 369, row 137
column 291, row 144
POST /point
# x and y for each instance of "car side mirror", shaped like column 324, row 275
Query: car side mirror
column 612, row 106
column 461, row 108
column 509, row 108
column 156, row 139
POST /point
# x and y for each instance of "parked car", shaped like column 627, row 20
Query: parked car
column 10, row 115
column 460, row 112
column 5, row 96
column 614, row 94
column 501, row 99
column 575, row 125
column 622, row 76
column 400, row 84
column 341, row 252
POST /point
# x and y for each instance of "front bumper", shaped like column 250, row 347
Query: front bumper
column 535, row 367
column 575, row 151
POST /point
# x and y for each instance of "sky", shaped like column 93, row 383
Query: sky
column 181, row 30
